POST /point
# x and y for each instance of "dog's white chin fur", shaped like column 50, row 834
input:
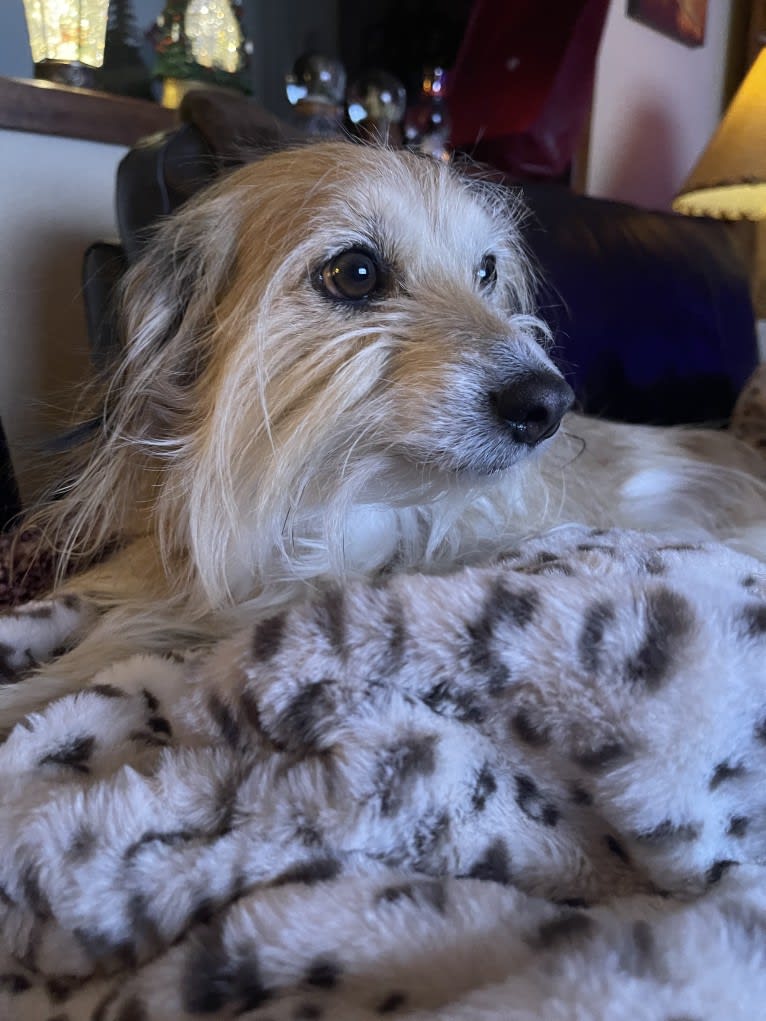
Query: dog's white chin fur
column 262, row 438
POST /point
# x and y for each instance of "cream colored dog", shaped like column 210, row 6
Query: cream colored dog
column 332, row 369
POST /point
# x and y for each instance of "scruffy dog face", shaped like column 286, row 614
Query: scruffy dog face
column 327, row 327
column 359, row 298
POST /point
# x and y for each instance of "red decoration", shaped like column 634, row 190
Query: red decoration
column 521, row 87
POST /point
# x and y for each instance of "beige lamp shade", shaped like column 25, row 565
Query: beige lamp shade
column 729, row 180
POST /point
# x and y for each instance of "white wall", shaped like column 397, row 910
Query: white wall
column 56, row 197
column 656, row 104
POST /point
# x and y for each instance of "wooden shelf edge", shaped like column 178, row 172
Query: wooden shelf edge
column 50, row 109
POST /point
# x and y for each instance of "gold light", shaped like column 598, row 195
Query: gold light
column 729, row 180
column 67, row 37
column 214, row 34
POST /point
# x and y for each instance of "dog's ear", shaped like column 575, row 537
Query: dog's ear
column 168, row 304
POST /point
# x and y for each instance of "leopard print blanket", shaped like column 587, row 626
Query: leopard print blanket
column 535, row 789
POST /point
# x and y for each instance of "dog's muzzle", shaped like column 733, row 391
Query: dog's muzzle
column 532, row 407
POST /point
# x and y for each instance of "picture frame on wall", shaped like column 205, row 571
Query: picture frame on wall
column 682, row 20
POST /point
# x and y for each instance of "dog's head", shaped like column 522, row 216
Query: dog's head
column 342, row 293
column 330, row 320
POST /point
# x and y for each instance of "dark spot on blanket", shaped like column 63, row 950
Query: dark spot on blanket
column 754, row 620
column 203, row 911
column 307, row 831
column 393, row 619
column 430, row 893
column 152, row 702
column 514, row 553
column 74, row 754
column 433, row 893
column 502, row 605
column 615, row 847
column 570, row 925
column 329, row 614
column 132, row 1010
column 8, row 673
column 109, row 953
column 62, row 987
column 494, row 865
column 530, row 728
column 592, row 547
column 580, row 796
column 252, row 713
column 215, row 977
column 738, row 825
column 308, row 1012
column 171, row 838
column 33, row 891
column 485, row 787
column 498, row 678
column 603, row 756
column 392, row 1002
column 749, row 581
column 459, row 703
column 669, row 621
column 533, row 803
column 654, row 564
column 667, row 833
column 398, row 768
column 681, row 547
column 548, row 563
column 299, row 726
column 316, row 870
column 545, row 557
column 637, row 955
column 14, row 983
column 324, row 973
column 225, row 720
column 725, row 771
column 107, row 691
column 597, row 619
column 514, row 607
column 717, row 870
column 268, row 636
column 431, row 831
column 82, row 845
column 143, row 927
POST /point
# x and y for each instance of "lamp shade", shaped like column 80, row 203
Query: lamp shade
column 729, row 180
column 70, row 31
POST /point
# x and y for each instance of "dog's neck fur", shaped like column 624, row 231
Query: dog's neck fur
column 450, row 521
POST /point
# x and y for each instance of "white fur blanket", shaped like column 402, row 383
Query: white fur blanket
column 531, row 790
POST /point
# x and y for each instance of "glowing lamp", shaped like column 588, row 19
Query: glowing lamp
column 67, row 38
column 729, row 179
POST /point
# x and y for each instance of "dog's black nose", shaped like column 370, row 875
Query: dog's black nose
column 533, row 406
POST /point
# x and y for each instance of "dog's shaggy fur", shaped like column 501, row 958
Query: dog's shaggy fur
column 262, row 436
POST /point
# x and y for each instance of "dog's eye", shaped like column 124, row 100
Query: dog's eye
column 351, row 276
column 486, row 274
